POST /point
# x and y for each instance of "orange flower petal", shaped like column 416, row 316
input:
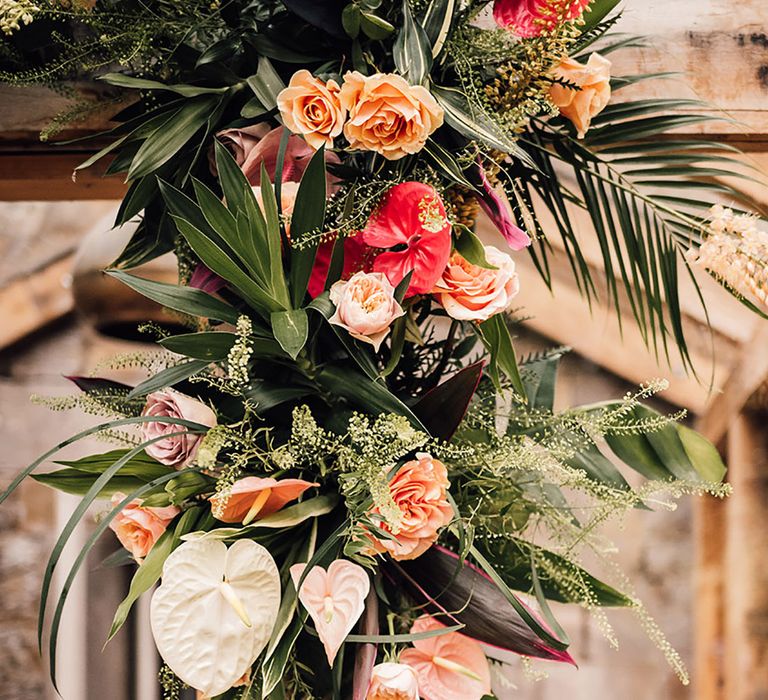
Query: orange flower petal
column 245, row 492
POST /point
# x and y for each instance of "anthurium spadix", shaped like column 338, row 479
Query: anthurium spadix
column 214, row 612
column 334, row 599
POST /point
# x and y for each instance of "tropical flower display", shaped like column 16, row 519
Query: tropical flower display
column 341, row 480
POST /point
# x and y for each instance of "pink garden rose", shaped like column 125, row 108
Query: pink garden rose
column 419, row 489
column 531, row 18
column 177, row 451
column 391, row 681
column 138, row 528
column 594, row 82
column 311, row 107
column 410, row 214
column 365, row 306
column 468, row 292
column 450, row 666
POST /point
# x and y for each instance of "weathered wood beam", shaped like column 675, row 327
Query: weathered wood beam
column 48, row 176
column 29, row 303
column 749, row 372
column 709, row 580
column 745, row 640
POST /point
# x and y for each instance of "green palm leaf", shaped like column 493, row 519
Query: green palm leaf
column 647, row 196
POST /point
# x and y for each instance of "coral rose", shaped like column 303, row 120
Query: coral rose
column 450, row 666
column 393, row 682
column 365, row 306
column 177, row 450
column 419, row 490
column 472, row 293
column 311, row 107
column 530, row 18
column 387, row 114
column 139, row 528
column 594, row 81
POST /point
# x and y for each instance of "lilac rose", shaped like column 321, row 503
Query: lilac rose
column 176, row 450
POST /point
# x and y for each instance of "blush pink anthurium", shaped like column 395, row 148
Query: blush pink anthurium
column 450, row 666
column 334, row 599
column 411, row 221
column 256, row 497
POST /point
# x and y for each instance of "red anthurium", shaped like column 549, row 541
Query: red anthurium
column 411, row 222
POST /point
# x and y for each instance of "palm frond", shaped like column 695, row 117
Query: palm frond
column 647, row 190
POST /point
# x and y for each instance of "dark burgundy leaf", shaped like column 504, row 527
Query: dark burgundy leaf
column 365, row 658
column 442, row 409
column 98, row 385
column 444, row 585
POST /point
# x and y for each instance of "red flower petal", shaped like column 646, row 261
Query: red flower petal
column 411, row 215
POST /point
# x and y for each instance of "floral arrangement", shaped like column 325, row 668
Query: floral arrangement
column 343, row 481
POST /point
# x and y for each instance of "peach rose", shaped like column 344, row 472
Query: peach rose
column 594, row 81
column 312, row 108
column 139, row 528
column 365, row 306
column 387, row 115
column 393, row 682
column 419, row 490
column 179, row 450
column 468, row 292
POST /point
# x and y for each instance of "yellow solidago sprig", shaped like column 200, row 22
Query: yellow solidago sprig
column 735, row 251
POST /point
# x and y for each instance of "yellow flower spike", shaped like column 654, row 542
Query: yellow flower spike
column 328, row 608
column 228, row 593
column 449, row 665
column 258, row 504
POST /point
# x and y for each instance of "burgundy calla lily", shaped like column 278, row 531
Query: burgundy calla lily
column 495, row 204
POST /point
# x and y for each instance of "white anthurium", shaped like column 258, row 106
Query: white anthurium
column 214, row 612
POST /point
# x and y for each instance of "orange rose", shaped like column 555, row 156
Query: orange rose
column 387, row 115
column 472, row 293
column 139, row 528
column 419, row 490
column 594, row 81
column 311, row 108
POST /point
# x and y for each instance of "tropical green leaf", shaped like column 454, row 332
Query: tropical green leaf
column 210, row 346
column 412, row 50
column 471, row 248
column 187, row 300
column 498, row 341
column 307, row 220
column 291, row 329
column 266, row 83
column 437, row 23
column 78, row 483
column 127, row 81
column 168, row 139
column 364, row 392
column 169, row 377
column 474, row 124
